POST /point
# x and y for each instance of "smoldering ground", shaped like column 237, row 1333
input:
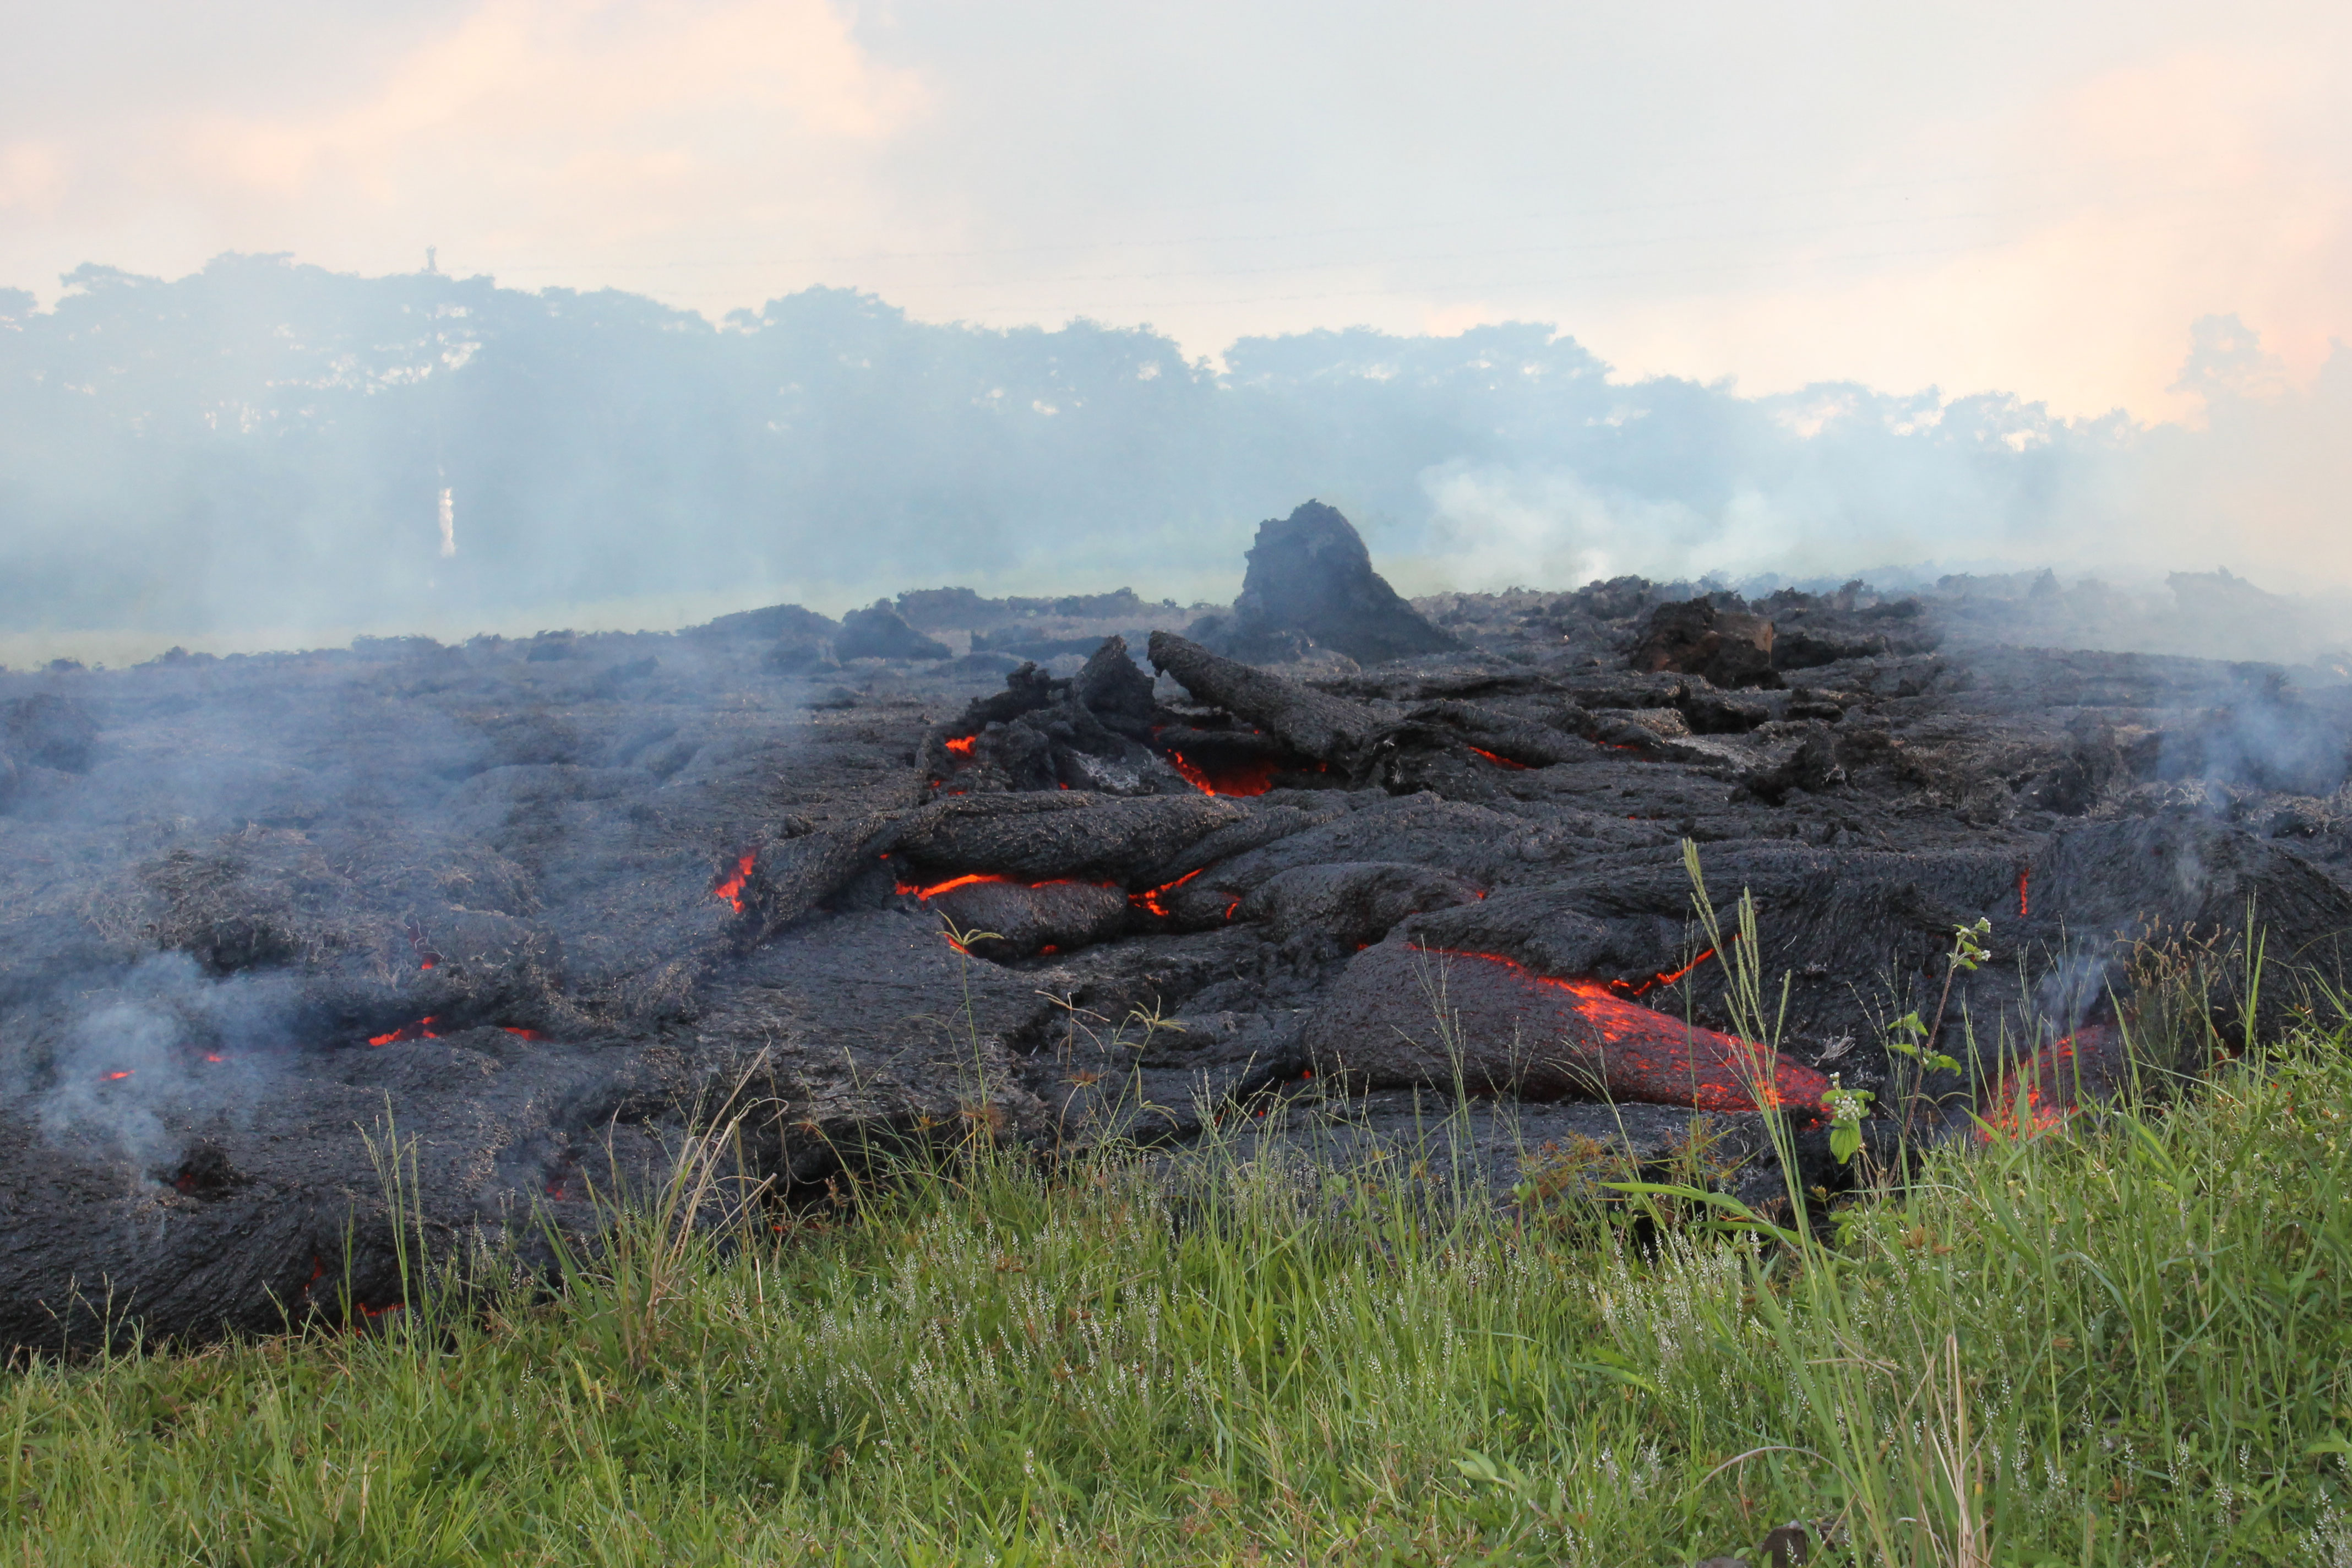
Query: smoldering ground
column 537, row 907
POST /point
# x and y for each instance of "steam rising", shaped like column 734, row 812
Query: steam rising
column 263, row 445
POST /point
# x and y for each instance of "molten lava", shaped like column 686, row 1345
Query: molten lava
column 2022, row 876
column 117, row 1076
column 1637, row 988
column 1632, row 1052
column 2049, row 1086
column 419, row 1030
column 1253, row 776
column 961, row 745
column 730, row 888
column 521, row 1034
column 1149, row 897
column 1499, row 761
column 975, row 878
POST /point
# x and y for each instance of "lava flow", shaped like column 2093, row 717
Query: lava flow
column 961, row 745
column 1499, row 761
column 1149, row 897
column 730, row 888
column 1255, row 776
column 1637, row 988
column 419, row 1030
column 2050, row 1086
column 1632, row 1052
column 975, row 878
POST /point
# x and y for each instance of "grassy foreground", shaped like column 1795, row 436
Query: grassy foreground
column 2118, row 1342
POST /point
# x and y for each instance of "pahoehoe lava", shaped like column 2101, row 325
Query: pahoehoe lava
column 533, row 907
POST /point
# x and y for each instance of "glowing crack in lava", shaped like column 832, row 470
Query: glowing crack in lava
column 419, row 1030
column 2022, row 876
column 1640, row 987
column 2050, row 1086
column 987, row 879
column 1255, row 776
column 1499, row 761
column 730, row 888
column 1538, row 1037
column 1149, row 899
column 961, row 745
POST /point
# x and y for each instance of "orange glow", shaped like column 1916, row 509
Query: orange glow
column 2053, row 1064
column 961, row 745
column 522, row 1033
column 215, row 1059
column 426, row 963
column 974, row 879
column 1149, row 897
column 1713, row 1070
column 2020, row 893
column 1253, row 777
column 115, row 1077
column 730, row 888
column 1499, row 761
column 419, row 1030
column 1634, row 988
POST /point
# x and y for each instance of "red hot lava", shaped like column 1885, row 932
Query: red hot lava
column 1541, row 1037
column 419, row 1030
column 961, row 745
column 2051, row 1085
column 730, row 888
column 1499, row 761
column 1639, row 987
column 1255, row 776
column 1149, row 897
column 977, row 879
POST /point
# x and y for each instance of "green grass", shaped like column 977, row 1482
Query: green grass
column 2122, row 1343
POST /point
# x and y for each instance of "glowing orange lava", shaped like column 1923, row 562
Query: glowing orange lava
column 419, row 1030
column 962, row 744
column 1647, row 1055
column 116, row 1077
column 1255, row 776
column 2021, row 876
column 975, row 878
column 1637, row 988
column 1499, row 761
column 1149, row 897
column 2041, row 1081
column 522, row 1033
column 730, row 888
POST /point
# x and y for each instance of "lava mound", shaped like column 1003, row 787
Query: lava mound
column 531, row 912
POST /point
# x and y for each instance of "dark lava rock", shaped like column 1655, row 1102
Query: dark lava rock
column 784, row 624
column 1310, row 576
column 541, row 916
column 879, row 631
column 1731, row 648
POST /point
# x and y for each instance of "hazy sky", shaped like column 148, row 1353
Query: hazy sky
column 2039, row 198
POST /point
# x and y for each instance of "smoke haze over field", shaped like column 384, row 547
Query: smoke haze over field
column 265, row 444
column 798, row 300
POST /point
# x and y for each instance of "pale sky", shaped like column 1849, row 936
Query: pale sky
column 1991, row 196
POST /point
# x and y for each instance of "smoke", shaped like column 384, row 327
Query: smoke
column 162, row 1040
column 269, row 448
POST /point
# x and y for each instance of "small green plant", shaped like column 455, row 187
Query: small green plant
column 1846, row 1106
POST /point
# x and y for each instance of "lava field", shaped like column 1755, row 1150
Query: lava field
column 1311, row 866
